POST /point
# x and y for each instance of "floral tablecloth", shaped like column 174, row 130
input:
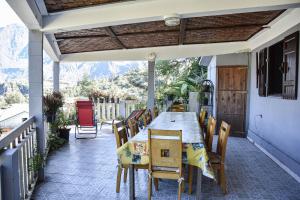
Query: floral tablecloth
column 135, row 151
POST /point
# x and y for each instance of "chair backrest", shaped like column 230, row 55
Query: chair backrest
column 133, row 126
column 202, row 118
column 85, row 113
column 147, row 118
column 211, row 125
column 165, row 149
column 120, row 133
column 222, row 140
column 177, row 108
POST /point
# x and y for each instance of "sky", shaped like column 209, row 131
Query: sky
column 8, row 16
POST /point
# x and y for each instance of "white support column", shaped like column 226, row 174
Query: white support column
column 56, row 76
column 151, row 81
column 36, row 88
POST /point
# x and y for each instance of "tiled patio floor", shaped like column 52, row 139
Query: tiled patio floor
column 86, row 169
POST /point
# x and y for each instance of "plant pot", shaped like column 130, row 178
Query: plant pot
column 112, row 100
column 64, row 133
column 50, row 118
column 206, row 88
column 205, row 101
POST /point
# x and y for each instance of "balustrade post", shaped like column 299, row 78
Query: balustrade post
column 113, row 110
column 122, row 109
column 103, row 111
column 108, row 111
column 98, row 109
column 10, row 168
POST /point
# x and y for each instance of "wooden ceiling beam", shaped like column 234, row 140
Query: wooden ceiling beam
column 182, row 31
column 112, row 34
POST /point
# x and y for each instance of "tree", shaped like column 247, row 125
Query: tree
column 86, row 86
column 178, row 77
column 14, row 97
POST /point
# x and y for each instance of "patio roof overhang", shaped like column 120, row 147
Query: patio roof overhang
column 93, row 30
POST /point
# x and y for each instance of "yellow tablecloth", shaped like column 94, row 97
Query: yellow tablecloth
column 136, row 152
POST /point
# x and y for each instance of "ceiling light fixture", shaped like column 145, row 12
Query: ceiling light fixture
column 172, row 20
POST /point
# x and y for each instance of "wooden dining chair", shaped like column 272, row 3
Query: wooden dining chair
column 217, row 159
column 209, row 135
column 202, row 119
column 121, row 139
column 165, row 157
column 133, row 127
column 147, row 118
column 177, row 108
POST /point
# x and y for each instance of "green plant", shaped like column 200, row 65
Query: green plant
column 52, row 102
column 36, row 162
column 62, row 121
column 55, row 142
column 96, row 95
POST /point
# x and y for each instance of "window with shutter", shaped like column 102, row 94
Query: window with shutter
column 275, row 69
column 257, row 69
column 290, row 66
column 262, row 72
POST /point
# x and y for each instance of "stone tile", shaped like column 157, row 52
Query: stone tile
column 86, row 170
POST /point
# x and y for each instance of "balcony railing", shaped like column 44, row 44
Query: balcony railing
column 17, row 149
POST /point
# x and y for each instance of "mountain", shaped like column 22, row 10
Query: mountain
column 14, row 61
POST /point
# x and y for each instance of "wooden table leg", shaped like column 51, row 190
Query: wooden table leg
column 199, row 182
column 131, row 183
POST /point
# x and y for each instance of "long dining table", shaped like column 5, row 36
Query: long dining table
column 135, row 151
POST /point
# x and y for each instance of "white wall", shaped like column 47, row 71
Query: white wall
column 211, row 75
column 277, row 131
column 233, row 59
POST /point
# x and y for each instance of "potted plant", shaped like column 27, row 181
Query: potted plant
column 62, row 126
column 52, row 102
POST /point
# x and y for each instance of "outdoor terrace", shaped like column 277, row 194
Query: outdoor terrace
column 87, row 169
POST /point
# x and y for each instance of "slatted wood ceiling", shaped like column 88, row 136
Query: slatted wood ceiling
column 61, row 5
column 198, row 30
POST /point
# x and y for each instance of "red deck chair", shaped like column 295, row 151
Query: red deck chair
column 86, row 121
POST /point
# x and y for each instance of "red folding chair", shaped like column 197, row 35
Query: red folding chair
column 86, row 121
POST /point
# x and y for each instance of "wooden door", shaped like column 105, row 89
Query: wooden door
column 232, row 97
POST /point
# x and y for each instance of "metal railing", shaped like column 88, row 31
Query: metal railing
column 17, row 148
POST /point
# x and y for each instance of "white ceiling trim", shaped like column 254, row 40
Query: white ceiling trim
column 142, row 11
column 285, row 22
column 162, row 53
column 51, row 48
column 28, row 12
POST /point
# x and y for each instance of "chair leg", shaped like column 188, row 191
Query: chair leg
column 149, row 188
column 119, row 179
column 125, row 174
column 223, row 179
column 179, row 189
column 191, row 173
column 156, row 184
